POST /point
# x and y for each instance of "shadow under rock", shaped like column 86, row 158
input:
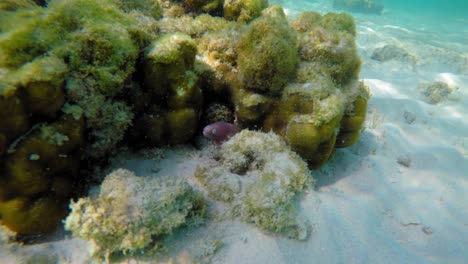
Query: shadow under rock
column 346, row 160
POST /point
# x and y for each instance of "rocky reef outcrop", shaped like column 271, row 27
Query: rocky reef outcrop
column 79, row 78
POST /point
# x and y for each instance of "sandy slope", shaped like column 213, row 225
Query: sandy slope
column 400, row 195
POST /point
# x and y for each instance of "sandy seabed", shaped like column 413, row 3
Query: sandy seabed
column 399, row 195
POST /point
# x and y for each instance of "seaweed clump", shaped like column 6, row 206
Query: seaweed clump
column 132, row 213
column 243, row 10
column 273, row 44
column 258, row 176
column 436, row 92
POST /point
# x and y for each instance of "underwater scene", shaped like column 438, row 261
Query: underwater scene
column 233, row 131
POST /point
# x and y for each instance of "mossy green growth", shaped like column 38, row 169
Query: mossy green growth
column 273, row 44
column 41, row 94
column 167, row 60
column 218, row 48
column 102, row 52
column 332, row 22
column 258, row 176
column 171, row 83
column 182, row 125
column 149, row 8
column 307, row 105
column 216, row 63
column 335, row 52
column 173, row 48
column 314, row 144
column 308, row 118
column 15, row 120
column 306, row 21
column 9, row 5
column 26, row 39
column 251, row 107
column 213, row 7
column 185, row 93
column 338, row 22
column 86, row 51
column 354, row 117
column 39, row 170
column 132, row 213
column 29, row 216
column 243, row 10
column 42, row 82
column 195, row 26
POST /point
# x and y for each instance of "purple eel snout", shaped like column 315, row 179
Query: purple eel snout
column 220, row 131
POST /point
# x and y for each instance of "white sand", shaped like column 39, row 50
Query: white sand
column 399, row 195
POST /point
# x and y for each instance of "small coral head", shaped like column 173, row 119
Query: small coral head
column 220, row 131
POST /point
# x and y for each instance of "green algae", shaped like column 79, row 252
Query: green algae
column 121, row 72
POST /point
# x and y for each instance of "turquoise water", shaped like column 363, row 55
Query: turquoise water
column 433, row 7
column 437, row 20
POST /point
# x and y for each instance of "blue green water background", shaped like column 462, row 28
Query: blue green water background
column 433, row 8
column 447, row 8
column 428, row 20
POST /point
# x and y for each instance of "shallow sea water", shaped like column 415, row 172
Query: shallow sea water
column 400, row 194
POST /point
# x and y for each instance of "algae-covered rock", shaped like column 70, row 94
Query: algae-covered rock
column 436, row 92
column 43, row 85
column 132, row 213
column 273, row 44
column 15, row 120
column 41, row 95
column 182, row 125
column 306, row 21
column 15, row 4
column 40, row 170
column 27, row 216
column 167, row 60
column 65, row 56
column 194, row 26
column 217, row 112
column 213, row 7
column 338, row 22
column 258, row 176
column 63, row 69
column 81, row 52
column 332, row 46
column 243, row 10
column 171, row 84
column 308, row 117
column 325, row 106
column 251, row 107
column 306, row 104
column 353, row 119
column 149, row 8
column 392, row 52
column 146, row 70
